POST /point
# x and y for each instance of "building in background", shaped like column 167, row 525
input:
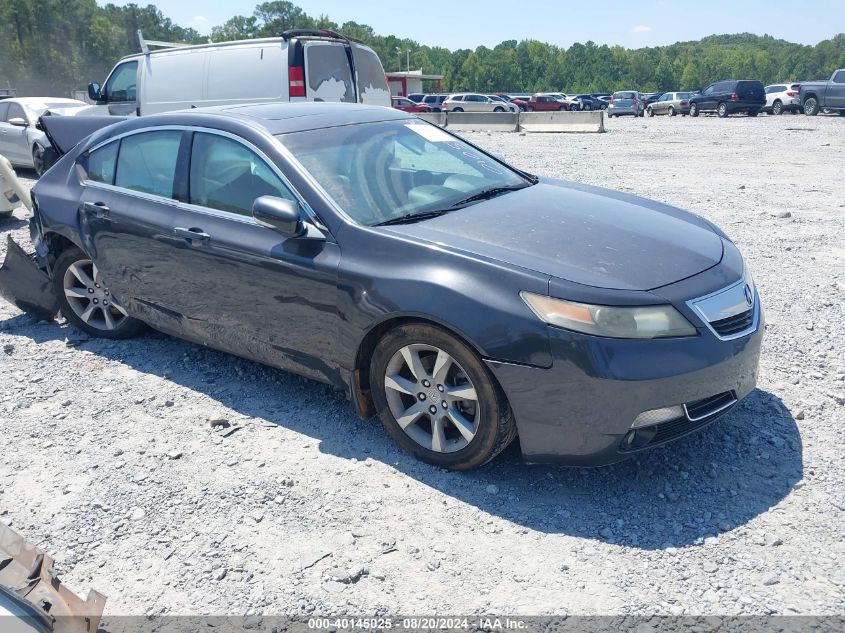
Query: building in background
column 404, row 83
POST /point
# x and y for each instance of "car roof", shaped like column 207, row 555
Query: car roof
column 282, row 118
column 40, row 100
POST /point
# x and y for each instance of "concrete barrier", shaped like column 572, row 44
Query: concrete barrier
column 562, row 121
column 483, row 121
column 438, row 118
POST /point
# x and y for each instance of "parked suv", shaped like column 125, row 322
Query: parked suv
column 728, row 97
column 472, row 102
column 628, row 102
column 782, row 98
column 435, row 102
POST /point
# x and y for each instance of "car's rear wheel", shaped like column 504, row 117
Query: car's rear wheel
column 693, row 109
column 722, row 110
column 86, row 300
column 777, row 108
column 437, row 400
column 672, row 111
column 811, row 106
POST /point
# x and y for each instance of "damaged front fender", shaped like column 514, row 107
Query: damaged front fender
column 25, row 285
column 33, row 599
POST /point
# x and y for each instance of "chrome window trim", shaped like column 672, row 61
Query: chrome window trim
column 193, row 207
column 755, row 307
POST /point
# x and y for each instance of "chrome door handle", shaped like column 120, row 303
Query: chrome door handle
column 192, row 234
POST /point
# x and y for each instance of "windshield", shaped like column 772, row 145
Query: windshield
column 377, row 172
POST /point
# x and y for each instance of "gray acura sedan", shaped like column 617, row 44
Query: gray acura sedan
column 463, row 301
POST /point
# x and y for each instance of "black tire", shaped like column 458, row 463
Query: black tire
column 562, row 109
column 777, row 108
column 38, row 160
column 811, row 106
column 498, row 109
column 753, row 113
column 128, row 328
column 672, row 111
column 588, row 108
column 650, row 111
column 496, row 425
column 457, row 109
column 722, row 110
column 693, row 109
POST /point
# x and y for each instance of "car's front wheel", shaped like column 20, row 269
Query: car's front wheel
column 86, row 300
column 38, row 160
column 649, row 111
column 437, row 400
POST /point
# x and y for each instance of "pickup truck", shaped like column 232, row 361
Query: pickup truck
column 824, row 95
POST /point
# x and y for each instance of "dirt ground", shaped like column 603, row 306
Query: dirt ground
column 109, row 460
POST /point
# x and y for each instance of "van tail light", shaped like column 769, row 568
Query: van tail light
column 734, row 96
column 296, row 81
column 684, row 102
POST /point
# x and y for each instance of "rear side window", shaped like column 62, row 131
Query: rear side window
column 102, row 163
column 228, row 176
column 329, row 77
column 147, row 162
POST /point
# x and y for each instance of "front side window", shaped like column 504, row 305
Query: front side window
column 228, row 176
column 15, row 112
column 147, row 162
column 121, row 87
column 839, row 78
column 381, row 171
column 102, row 162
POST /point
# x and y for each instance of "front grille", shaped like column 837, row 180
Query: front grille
column 698, row 415
column 734, row 324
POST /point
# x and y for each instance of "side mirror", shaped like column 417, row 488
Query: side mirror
column 94, row 92
column 18, row 122
column 279, row 214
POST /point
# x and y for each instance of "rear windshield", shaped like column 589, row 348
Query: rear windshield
column 749, row 86
column 682, row 95
column 372, row 84
column 623, row 95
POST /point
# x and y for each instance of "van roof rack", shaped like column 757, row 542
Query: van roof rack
column 328, row 33
column 145, row 44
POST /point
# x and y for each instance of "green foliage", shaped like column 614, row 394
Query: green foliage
column 54, row 46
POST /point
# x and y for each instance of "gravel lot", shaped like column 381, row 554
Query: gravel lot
column 115, row 457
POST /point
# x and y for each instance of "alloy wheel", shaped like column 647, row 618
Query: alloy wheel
column 432, row 398
column 90, row 298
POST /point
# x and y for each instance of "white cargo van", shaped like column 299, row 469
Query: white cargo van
column 301, row 65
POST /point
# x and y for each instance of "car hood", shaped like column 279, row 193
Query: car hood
column 586, row 235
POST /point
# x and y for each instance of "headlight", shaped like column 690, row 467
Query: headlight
column 610, row 321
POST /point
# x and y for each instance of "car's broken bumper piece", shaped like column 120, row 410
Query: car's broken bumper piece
column 25, row 285
column 33, row 599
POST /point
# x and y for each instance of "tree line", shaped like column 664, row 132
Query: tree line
column 51, row 47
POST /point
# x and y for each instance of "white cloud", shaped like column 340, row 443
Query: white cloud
column 200, row 18
column 641, row 28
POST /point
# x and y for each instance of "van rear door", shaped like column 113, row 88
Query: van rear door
column 328, row 75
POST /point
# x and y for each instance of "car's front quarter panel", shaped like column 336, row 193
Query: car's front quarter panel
column 385, row 276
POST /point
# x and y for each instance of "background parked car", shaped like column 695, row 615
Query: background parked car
column 473, row 102
column 435, row 101
column 512, row 107
column 670, row 103
column 416, row 97
column 782, row 98
column 20, row 141
column 546, row 103
column 406, row 105
column 650, row 97
column 625, row 102
column 824, row 95
column 588, row 102
column 730, row 96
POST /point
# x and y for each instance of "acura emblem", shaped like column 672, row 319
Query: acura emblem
column 749, row 295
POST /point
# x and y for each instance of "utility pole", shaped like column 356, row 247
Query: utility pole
column 399, row 57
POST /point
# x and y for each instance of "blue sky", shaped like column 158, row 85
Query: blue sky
column 471, row 23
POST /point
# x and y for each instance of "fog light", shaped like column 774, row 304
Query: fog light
column 656, row 416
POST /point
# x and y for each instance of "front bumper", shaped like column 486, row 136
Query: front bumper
column 580, row 411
